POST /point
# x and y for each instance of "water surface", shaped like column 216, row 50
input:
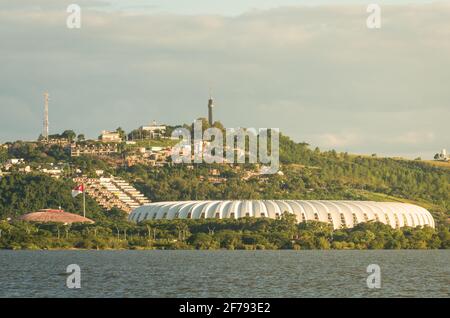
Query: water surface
column 225, row 273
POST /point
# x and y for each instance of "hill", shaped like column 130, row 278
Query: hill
column 307, row 174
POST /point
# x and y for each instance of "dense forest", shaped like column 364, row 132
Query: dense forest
column 306, row 174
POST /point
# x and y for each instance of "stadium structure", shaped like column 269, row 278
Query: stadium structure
column 341, row 214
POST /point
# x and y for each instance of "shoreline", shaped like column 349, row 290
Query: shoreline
column 221, row 249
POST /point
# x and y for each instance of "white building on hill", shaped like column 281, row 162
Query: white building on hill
column 443, row 156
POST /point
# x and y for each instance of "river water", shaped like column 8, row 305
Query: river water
column 225, row 273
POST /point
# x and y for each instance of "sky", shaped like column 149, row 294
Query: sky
column 311, row 68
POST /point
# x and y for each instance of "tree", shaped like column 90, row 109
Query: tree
column 69, row 135
column 228, row 239
column 203, row 241
column 81, row 138
column 183, row 231
column 322, row 243
column 122, row 133
column 219, row 125
column 317, row 228
column 444, row 236
column 287, row 224
column 3, row 155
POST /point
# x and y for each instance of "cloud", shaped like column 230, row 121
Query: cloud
column 317, row 73
column 339, row 140
column 413, row 138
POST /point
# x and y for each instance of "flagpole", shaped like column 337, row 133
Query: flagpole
column 84, row 201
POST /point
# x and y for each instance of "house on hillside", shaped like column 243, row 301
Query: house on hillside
column 153, row 131
column 110, row 136
column 442, row 156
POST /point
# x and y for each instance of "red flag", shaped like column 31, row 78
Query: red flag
column 78, row 190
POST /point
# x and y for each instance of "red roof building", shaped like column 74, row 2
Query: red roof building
column 56, row 216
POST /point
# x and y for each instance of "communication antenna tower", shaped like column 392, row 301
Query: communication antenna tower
column 45, row 132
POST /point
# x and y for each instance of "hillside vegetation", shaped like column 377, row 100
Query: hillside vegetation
column 245, row 233
column 306, row 174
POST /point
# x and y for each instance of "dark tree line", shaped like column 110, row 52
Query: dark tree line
column 245, row 233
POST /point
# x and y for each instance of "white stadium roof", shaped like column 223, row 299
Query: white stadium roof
column 339, row 213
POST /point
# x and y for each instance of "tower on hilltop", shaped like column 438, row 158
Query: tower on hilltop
column 210, row 110
column 45, row 131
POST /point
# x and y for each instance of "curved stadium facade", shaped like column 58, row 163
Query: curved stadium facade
column 341, row 214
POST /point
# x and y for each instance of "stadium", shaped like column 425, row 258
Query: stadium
column 341, row 214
